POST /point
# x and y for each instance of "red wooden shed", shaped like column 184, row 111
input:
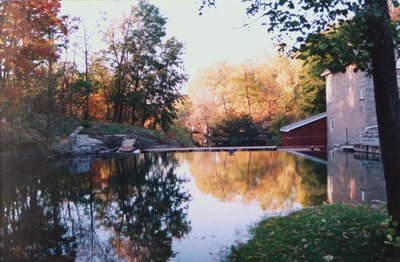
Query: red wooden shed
column 309, row 132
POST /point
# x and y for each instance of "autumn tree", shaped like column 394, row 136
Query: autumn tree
column 102, row 79
column 28, row 32
column 31, row 36
column 247, row 87
column 368, row 23
column 264, row 91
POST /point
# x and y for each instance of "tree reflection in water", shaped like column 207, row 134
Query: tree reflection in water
column 278, row 181
column 127, row 208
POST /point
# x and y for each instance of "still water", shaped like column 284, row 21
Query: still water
column 163, row 207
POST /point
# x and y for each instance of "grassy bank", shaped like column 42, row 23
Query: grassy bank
column 325, row 233
column 28, row 131
column 23, row 131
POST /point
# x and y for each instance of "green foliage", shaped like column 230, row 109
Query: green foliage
column 237, row 131
column 334, row 49
column 313, row 182
column 274, row 133
column 311, row 90
column 326, row 233
column 149, row 81
column 181, row 135
column 23, row 130
column 99, row 129
column 85, row 123
column 391, row 237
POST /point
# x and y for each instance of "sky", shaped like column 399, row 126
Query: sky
column 217, row 35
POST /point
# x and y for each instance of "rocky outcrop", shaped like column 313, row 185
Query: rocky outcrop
column 83, row 144
column 113, row 141
column 80, row 144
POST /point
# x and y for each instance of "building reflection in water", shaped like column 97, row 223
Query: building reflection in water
column 355, row 178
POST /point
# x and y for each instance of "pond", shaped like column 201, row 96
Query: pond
column 164, row 207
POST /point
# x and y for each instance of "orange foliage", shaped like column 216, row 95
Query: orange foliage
column 28, row 34
column 269, row 178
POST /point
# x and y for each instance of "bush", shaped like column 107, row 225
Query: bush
column 274, row 133
column 237, row 131
column 181, row 135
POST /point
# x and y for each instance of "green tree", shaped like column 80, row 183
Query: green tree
column 274, row 133
column 310, row 90
column 164, row 91
column 368, row 24
column 148, row 69
column 237, row 131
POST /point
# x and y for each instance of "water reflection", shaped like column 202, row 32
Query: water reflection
column 279, row 182
column 147, row 207
column 354, row 178
column 121, row 209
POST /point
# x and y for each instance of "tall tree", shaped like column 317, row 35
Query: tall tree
column 117, row 36
column 368, row 23
column 148, row 69
column 170, row 77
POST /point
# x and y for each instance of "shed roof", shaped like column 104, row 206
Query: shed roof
column 303, row 122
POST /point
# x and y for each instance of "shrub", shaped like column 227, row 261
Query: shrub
column 274, row 132
column 181, row 135
column 237, row 131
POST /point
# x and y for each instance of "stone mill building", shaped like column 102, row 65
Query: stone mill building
column 350, row 108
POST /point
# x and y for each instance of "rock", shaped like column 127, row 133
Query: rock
column 76, row 132
column 83, row 144
column 113, row 141
column 79, row 144
column 148, row 142
column 128, row 145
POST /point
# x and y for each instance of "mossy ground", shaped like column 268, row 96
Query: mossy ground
column 326, row 233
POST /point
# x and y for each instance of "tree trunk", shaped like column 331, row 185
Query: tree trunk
column 133, row 116
column 144, row 116
column 387, row 102
column 50, row 104
column 86, row 52
column 116, row 110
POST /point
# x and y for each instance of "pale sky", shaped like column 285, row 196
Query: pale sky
column 217, row 35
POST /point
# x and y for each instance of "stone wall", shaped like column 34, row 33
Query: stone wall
column 350, row 107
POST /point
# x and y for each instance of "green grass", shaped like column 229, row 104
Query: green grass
column 94, row 128
column 100, row 129
column 181, row 135
column 326, row 233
